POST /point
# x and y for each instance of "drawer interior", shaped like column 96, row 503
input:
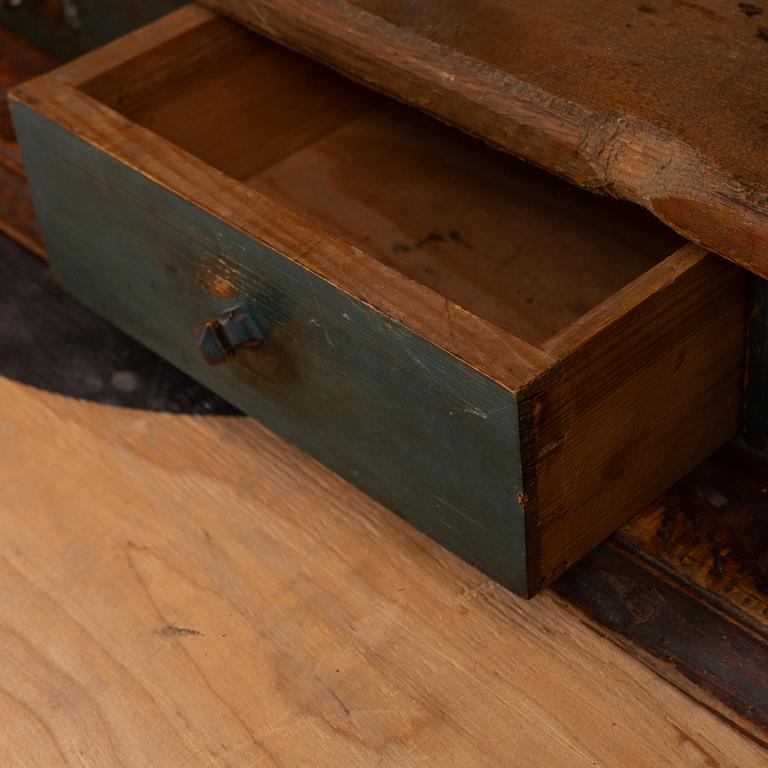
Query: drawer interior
column 508, row 242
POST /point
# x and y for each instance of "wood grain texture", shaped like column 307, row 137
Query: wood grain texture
column 512, row 244
column 413, row 426
column 661, row 103
column 155, row 612
column 648, row 386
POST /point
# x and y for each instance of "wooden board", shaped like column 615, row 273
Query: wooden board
column 662, row 103
column 500, row 238
column 172, row 596
column 594, row 428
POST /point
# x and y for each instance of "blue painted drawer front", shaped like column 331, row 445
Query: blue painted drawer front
column 410, row 424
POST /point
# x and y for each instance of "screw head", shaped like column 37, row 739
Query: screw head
column 208, row 343
column 234, row 329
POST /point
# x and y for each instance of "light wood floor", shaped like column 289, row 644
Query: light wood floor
column 187, row 591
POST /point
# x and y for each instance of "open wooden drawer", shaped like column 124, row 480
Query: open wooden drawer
column 513, row 365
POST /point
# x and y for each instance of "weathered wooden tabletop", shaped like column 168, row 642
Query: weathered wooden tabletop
column 187, row 590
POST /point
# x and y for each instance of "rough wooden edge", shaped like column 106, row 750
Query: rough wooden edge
column 530, row 405
column 611, row 152
column 501, row 356
column 630, row 298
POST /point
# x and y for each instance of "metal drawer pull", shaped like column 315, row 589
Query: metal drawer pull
column 234, row 329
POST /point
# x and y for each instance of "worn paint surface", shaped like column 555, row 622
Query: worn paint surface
column 68, row 28
column 756, row 416
column 53, row 342
column 411, row 425
column 686, row 582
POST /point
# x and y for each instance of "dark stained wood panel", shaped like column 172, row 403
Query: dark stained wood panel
column 685, row 584
column 662, row 102
column 711, row 532
column 714, row 659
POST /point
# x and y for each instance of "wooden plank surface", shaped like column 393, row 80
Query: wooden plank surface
column 192, row 591
column 661, row 102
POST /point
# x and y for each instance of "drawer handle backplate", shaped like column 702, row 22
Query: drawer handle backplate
column 234, row 329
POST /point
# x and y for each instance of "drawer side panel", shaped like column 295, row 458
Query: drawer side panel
column 411, row 425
